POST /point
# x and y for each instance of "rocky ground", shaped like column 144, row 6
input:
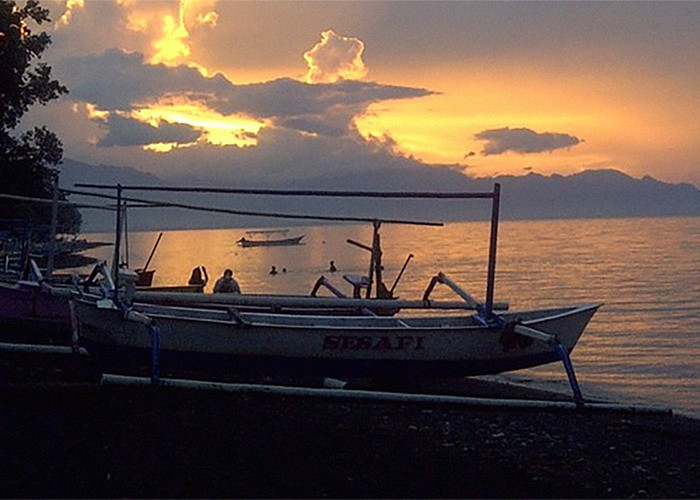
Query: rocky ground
column 62, row 435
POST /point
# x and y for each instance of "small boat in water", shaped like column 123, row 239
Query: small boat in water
column 268, row 241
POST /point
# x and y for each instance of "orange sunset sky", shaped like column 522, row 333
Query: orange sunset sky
column 238, row 90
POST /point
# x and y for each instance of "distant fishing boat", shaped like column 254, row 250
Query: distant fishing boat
column 268, row 241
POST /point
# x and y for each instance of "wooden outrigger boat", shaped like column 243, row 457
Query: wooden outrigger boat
column 331, row 345
column 221, row 331
column 269, row 242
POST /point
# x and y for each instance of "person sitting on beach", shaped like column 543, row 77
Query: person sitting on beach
column 226, row 284
column 196, row 278
column 332, row 267
column 273, row 270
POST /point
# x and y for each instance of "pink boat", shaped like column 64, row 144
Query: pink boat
column 28, row 308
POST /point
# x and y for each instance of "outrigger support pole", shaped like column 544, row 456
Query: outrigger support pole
column 471, row 301
column 491, row 277
column 561, row 351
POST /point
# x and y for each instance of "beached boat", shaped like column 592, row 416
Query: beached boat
column 32, row 308
column 198, row 332
column 268, row 241
column 208, row 340
column 34, row 305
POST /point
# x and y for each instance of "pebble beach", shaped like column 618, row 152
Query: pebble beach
column 66, row 436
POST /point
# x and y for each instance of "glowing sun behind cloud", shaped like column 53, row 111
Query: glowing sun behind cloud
column 218, row 129
column 169, row 27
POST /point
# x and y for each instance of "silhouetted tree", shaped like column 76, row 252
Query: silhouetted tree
column 28, row 161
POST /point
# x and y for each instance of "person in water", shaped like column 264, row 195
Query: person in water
column 226, row 284
column 332, row 267
column 196, row 278
column 273, row 270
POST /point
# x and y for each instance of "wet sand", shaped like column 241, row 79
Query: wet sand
column 62, row 437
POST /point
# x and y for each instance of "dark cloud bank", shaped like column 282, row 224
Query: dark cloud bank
column 117, row 81
column 523, row 140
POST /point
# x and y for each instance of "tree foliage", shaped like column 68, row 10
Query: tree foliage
column 28, row 161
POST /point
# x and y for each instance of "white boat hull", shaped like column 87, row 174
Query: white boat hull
column 327, row 345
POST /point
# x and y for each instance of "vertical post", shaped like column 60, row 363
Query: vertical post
column 154, row 331
column 53, row 230
column 126, row 236
column 117, row 238
column 372, row 259
column 491, row 277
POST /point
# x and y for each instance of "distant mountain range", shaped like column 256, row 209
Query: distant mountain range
column 589, row 194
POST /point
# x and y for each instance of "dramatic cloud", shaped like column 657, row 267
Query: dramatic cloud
column 523, row 140
column 120, row 81
column 173, row 47
column 335, row 57
column 128, row 132
column 289, row 98
column 71, row 5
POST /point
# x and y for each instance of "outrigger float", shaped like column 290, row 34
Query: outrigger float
column 242, row 333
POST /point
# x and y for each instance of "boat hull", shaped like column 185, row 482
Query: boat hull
column 270, row 243
column 210, row 341
column 31, row 311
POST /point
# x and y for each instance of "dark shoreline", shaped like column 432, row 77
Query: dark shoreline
column 64, row 437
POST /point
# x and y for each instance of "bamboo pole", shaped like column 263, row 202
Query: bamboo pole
column 491, row 273
column 300, row 192
column 53, row 230
column 145, row 268
column 39, row 349
column 117, row 238
column 110, row 379
column 62, row 203
column 292, row 301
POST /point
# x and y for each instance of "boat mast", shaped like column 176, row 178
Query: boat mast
column 491, row 276
column 53, row 230
column 117, row 237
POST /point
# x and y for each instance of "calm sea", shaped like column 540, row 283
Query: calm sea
column 642, row 346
